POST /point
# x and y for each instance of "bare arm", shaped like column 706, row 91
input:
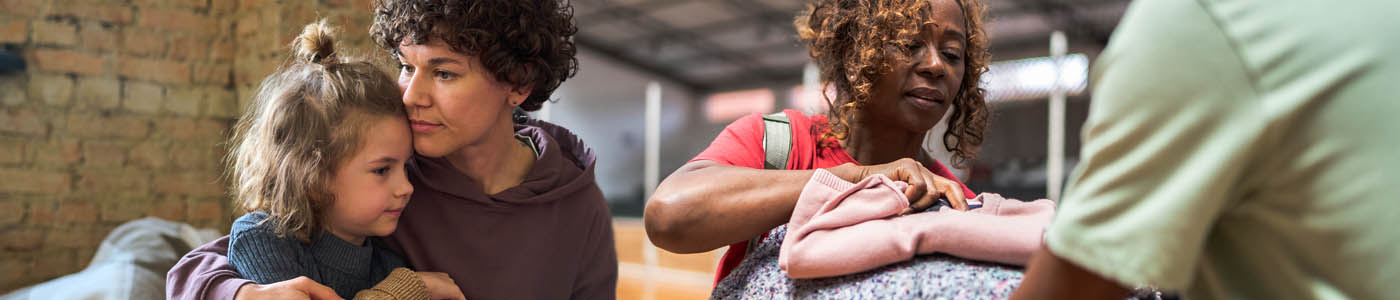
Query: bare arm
column 705, row 205
column 1050, row 277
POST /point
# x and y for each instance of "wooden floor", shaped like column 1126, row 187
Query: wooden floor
column 648, row 273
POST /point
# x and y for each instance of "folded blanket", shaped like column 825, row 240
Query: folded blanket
column 839, row 228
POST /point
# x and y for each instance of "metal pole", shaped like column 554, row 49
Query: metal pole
column 811, row 89
column 651, row 171
column 1055, row 148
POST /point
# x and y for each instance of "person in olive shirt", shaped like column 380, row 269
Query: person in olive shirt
column 1241, row 149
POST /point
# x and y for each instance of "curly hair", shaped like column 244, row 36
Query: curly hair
column 305, row 120
column 521, row 43
column 853, row 42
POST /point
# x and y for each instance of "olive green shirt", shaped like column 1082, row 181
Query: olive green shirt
column 1243, row 149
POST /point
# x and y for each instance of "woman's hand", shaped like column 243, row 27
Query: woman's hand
column 295, row 288
column 441, row 286
column 924, row 187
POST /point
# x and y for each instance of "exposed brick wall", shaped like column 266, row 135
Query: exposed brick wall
column 123, row 113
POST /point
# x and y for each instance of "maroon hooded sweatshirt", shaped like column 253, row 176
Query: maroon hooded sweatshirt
column 549, row 237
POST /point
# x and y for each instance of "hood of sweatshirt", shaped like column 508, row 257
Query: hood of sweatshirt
column 564, row 167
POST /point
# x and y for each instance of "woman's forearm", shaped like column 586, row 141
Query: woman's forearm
column 706, row 205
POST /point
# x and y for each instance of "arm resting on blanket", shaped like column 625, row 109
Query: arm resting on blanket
column 840, row 228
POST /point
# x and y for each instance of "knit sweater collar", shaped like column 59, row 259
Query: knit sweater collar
column 333, row 252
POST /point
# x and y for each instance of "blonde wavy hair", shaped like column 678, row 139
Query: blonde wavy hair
column 853, row 42
column 305, row 120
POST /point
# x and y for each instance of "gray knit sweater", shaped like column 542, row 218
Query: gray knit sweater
column 263, row 257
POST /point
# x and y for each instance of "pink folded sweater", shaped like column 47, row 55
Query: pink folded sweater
column 840, row 228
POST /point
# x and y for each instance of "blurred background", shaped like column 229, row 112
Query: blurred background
column 116, row 110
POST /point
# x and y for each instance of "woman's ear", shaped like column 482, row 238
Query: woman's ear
column 519, row 93
column 517, row 96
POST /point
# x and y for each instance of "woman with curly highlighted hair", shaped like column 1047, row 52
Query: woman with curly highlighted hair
column 897, row 66
column 505, row 205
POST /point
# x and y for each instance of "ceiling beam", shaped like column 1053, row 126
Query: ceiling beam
column 621, row 57
column 784, row 46
column 644, row 7
column 746, row 62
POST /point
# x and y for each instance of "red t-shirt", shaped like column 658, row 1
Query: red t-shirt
column 741, row 144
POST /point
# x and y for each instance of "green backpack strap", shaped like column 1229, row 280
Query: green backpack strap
column 777, row 141
column 777, row 145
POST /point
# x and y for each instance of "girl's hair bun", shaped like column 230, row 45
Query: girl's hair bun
column 316, row 44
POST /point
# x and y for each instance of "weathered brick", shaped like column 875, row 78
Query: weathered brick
column 32, row 181
column 251, row 4
column 194, row 183
column 14, row 31
column 98, row 93
column 178, row 20
column 213, row 73
column 222, row 6
column 56, row 153
column 214, row 129
column 151, row 3
column 195, row 158
column 55, row 33
column 195, row 4
column 249, row 23
column 26, row 8
column 189, row 47
column 182, row 129
column 68, row 61
column 142, row 97
column 12, row 151
column 40, row 213
column 11, row 212
column 169, row 209
column 177, row 128
column 69, row 237
column 158, row 70
column 222, row 50
column 97, row 37
column 13, row 90
column 151, row 155
column 136, row 42
column 22, row 238
column 55, row 262
column 104, row 153
column 76, row 212
column 221, row 103
column 122, row 209
column 245, row 93
column 109, row 13
column 107, row 126
column 184, row 101
column 121, row 182
column 207, row 210
column 25, row 122
column 16, row 268
column 54, row 90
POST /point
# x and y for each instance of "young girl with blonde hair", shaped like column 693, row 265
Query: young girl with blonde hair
column 318, row 164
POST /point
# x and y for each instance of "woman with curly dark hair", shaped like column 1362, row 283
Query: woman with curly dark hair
column 897, row 67
column 505, row 205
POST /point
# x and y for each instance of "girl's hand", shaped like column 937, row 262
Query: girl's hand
column 924, row 187
column 441, row 286
column 295, row 288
